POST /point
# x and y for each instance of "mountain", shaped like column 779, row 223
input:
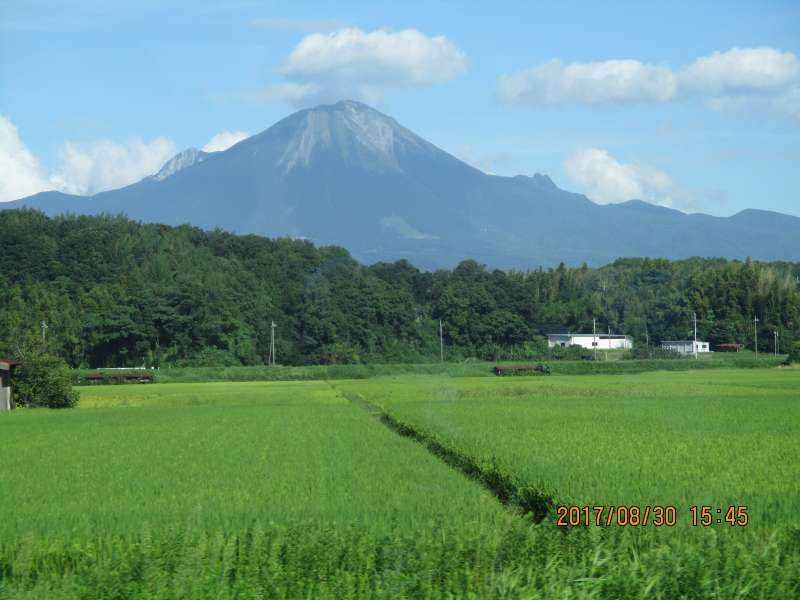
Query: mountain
column 347, row 174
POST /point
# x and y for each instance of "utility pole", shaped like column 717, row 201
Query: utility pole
column 44, row 332
column 776, row 342
column 694, row 345
column 272, row 343
column 441, row 341
column 605, row 300
column 594, row 340
column 755, row 330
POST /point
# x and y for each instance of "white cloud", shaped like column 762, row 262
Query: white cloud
column 85, row 168
column 741, row 71
column 590, row 83
column 20, row 172
column 607, row 180
column 738, row 78
column 88, row 168
column 353, row 63
column 403, row 58
column 224, row 140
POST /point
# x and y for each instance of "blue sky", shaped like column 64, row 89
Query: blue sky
column 692, row 105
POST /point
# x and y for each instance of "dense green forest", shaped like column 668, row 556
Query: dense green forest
column 114, row 292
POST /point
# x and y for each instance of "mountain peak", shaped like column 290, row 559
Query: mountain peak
column 187, row 158
column 346, row 104
column 355, row 132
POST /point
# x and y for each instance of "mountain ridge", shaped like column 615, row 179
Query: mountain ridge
column 347, row 174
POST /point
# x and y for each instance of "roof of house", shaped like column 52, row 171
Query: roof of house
column 683, row 342
column 7, row 363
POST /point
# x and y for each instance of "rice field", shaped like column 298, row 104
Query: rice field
column 716, row 439
column 296, row 472
column 695, row 438
column 299, row 489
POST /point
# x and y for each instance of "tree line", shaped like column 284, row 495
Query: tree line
column 115, row 292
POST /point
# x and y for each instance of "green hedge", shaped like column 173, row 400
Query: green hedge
column 467, row 368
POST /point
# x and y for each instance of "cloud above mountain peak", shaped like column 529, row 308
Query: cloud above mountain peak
column 352, row 63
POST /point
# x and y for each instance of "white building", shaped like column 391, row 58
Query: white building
column 685, row 346
column 601, row 341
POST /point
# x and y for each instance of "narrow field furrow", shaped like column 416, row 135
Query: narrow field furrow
column 721, row 439
column 509, row 491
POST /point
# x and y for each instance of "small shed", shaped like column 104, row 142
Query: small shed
column 728, row 347
column 6, row 393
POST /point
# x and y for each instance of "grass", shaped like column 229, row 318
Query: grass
column 292, row 489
